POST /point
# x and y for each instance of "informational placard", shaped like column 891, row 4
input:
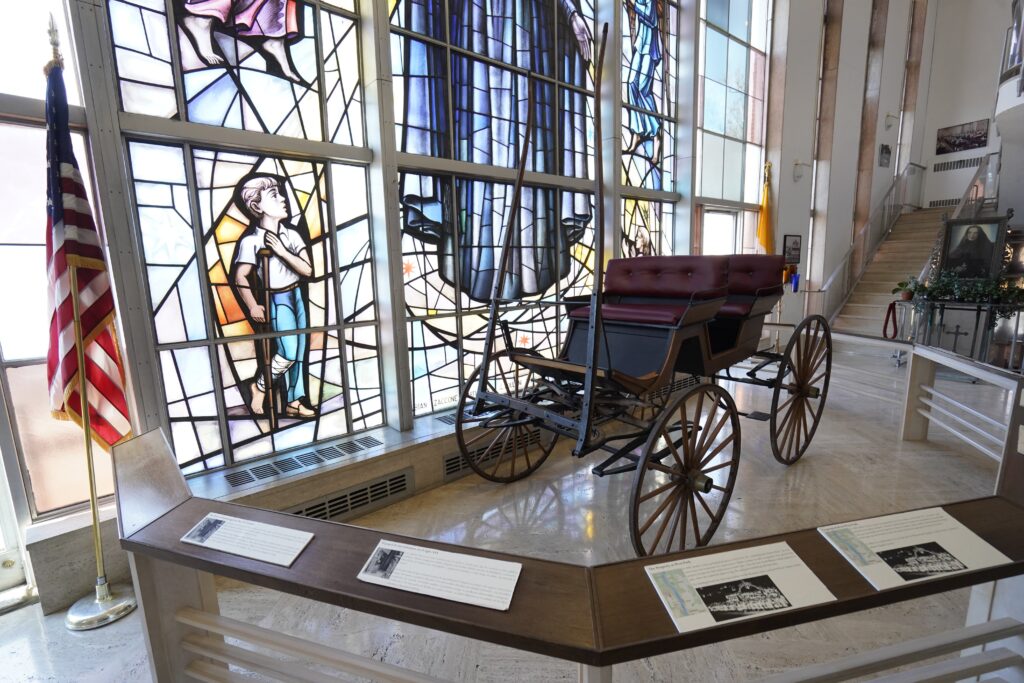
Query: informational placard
column 738, row 584
column 894, row 550
column 441, row 574
column 255, row 540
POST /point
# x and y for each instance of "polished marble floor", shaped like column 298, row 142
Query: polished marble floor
column 855, row 467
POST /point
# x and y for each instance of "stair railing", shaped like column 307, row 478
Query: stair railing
column 903, row 193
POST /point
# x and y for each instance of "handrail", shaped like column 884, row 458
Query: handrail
column 978, row 190
column 865, row 242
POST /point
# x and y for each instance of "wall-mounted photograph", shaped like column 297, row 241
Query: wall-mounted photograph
column 791, row 248
column 964, row 136
column 973, row 248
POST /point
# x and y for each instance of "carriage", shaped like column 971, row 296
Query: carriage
column 614, row 385
column 661, row 317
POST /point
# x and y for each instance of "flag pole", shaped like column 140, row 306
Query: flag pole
column 110, row 602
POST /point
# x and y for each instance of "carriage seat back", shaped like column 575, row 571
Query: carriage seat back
column 662, row 290
column 755, row 285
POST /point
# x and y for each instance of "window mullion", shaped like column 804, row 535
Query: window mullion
column 386, row 234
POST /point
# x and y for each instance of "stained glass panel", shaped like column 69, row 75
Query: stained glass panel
column 142, row 53
column 419, row 16
column 364, row 381
column 421, row 98
column 164, row 213
column 343, row 90
column 648, row 86
column 434, row 361
column 264, row 214
column 306, row 399
column 355, row 254
column 192, row 408
column 646, row 228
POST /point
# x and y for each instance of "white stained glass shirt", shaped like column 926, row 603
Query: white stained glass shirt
column 281, row 274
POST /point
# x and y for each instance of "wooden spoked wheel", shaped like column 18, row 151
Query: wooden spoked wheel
column 801, row 388
column 499, row 443
column 687, row 472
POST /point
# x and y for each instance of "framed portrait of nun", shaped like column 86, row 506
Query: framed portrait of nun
column 973, row 248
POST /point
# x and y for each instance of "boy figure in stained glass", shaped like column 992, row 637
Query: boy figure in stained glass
column 262, row 199
column 645, row 36
column 272, row 20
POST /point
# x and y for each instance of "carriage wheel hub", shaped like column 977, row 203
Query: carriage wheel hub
column 701, row 482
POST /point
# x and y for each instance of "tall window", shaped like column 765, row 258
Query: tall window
column 258, row 265
column 730, row 137
column 48, row 455
column 463, row 73
column 650, row 35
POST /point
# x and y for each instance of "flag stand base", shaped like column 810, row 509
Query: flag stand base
column 109, row 604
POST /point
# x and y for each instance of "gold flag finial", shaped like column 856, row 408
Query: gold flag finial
column 55, row 44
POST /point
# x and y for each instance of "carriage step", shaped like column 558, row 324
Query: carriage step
column 757, row 415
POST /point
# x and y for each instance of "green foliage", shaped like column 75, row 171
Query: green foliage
column 948, row 285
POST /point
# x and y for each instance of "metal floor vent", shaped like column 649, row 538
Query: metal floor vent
column 456, row 466
column 359, row 499
column 275, row 468
column 939, row 203
column 447, row 419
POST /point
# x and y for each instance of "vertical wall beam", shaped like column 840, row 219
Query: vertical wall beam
column 100, row 97
column 611, row 124
column 920, row 372
column 687, row 80
column 163, row 588
column 375, row 49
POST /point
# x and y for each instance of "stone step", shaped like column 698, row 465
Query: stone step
column 873, row 288
column 871, row 298
column 863, row 310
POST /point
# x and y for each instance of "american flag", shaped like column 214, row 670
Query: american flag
column 73, row 243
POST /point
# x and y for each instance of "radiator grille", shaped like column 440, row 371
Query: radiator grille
column 265, row 470
column 359, row 499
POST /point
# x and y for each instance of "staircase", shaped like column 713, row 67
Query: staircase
column 904, row 252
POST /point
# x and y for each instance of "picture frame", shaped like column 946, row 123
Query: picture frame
column 791, row 245
column 973, row 247
column 1014, row 254
column 961, row 137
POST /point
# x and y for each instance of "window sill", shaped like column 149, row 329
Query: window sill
column 51, row 528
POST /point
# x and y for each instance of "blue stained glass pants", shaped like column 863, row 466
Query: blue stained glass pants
column 642, row 69
column 287, row 313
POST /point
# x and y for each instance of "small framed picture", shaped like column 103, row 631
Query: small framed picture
column 791, row 248
column 972, row 247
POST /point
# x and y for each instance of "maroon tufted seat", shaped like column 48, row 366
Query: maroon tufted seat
column 751, row 276
column 658, row 290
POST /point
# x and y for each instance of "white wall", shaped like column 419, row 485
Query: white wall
column 965, row 64
column 802, row 59
column 853, row 50
column 890, row 95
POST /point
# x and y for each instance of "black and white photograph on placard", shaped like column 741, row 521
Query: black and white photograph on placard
column 791, row 248
column 201, row 532
column 383, row 562
column 962, row 137
column 735, row 599
column 921, row 560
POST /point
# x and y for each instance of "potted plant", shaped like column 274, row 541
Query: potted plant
column 909, row 288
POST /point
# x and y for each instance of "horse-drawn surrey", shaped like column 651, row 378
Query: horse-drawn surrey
column 614, row 387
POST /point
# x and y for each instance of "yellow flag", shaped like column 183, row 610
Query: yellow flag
column 765, row 233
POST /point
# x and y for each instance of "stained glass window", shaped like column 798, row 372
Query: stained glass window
column 449, row 266
column 284, row 67
column 649, row 36
column 463, row 73
column 278, row 251
column 646, row 228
